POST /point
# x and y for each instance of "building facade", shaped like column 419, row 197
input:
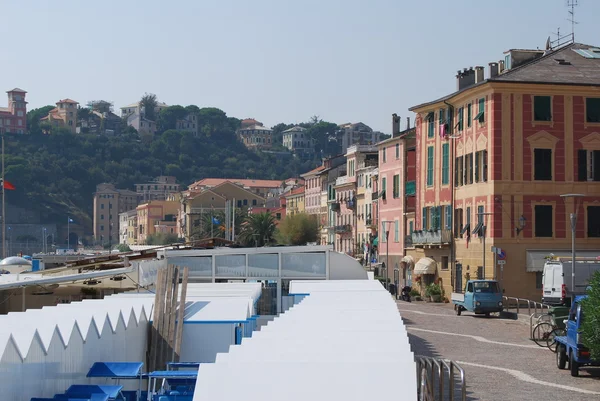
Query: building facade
column 262, row 188
column 357, row 134
column 493, row 159
column 135, row 116
column 108, row 203
column 295, row 201
column 254, row 135
column 63, row 115
column 13, row 119
column 156, row 217
column 124, row 221
column 159, row 189
column 298, row 142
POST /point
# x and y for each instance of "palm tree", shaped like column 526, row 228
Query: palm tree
column 148, row 103
column 258, row 229
column 212, row 224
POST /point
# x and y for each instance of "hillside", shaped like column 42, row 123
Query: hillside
column 56, row 174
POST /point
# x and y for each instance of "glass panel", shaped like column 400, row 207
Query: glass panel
column 265, row 265
column 230, row 265
column 303, row 264
column 199, row 265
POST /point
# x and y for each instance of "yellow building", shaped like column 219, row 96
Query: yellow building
column 63, row 115
column 295, row 201
column 153, row 216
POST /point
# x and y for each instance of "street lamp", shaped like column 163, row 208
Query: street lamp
column 573, row 235
column 387, row 251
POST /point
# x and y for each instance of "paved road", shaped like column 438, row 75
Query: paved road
column 499, row 360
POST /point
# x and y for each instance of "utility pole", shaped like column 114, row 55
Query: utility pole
column 573, row 218
column 483, row 232
column 3, row 206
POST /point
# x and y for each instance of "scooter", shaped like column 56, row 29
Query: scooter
column 405, row 294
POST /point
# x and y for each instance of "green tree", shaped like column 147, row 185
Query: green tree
column 161, row 239
column 298, row 229
column 258, row 229
column 212, row 224
column 101, row 106
column 321, row 132
column 33, row 119
column 167, row 118
column 148, row 103
column 123, row 248
column 590, row 326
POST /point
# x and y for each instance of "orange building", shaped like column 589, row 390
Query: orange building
column 493, row 159
column 156, row 217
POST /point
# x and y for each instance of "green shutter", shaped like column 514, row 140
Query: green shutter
column 430, row 166
column 442, row 114
column 469, row 115
column 445, row 164
column 461, row 113
column 481, row 114
column 477, row 156
column 424, row 221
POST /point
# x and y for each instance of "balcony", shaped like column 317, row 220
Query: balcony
column 431, row 238
column 342, row 229
column 341, row 180
column 408, row 242
column 411, row 188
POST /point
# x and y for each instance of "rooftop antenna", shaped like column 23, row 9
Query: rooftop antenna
column 572, row 4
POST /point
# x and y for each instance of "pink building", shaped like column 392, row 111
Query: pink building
column 396, row 203
column 314, row 188
column 13, row 119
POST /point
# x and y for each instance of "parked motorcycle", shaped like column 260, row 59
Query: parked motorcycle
column 405, row 294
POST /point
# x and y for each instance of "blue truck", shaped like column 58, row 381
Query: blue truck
column 569, row 348
column 481, row 297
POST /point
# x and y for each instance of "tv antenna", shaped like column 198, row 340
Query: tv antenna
column 571, row 4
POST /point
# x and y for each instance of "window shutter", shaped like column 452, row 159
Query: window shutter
column 582, row 165
column 596, row 158
column 477, row 155
column 424, row 221
column 485, row 165
column 456, row 172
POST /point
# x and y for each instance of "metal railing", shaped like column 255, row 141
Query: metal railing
column 437, row 381
column 522, row 303
column 538, row 317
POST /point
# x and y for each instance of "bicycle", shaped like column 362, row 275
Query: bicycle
column 545, row 331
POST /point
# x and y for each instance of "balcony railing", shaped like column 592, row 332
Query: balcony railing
column 411, row 188
column 344, row 228
column 341, row 180
column 433, row 237
column 408, row 241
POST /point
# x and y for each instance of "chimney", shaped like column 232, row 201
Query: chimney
column 395, row 124
column 465, row 78
column 500, row 66
column 493, row 69
column 479, row 74
column 407, row 123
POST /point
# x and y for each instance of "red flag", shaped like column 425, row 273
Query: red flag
column 9, row 186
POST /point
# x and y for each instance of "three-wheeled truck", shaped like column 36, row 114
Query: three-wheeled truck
column 569, row 348
column 481, row 297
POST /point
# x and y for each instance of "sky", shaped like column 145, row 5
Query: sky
column 273, row 60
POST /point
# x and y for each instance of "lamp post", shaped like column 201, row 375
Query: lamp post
column 387, row 251
column 573, row 217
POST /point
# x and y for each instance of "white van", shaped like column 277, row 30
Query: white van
column 556, row 281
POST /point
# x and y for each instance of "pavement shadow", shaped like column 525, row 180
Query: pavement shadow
column 422, row 347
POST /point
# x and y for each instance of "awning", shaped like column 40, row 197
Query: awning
column 425, row 266
column 536, row 259
column 376, row 241
column 409, row 260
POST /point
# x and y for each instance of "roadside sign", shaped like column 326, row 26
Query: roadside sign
column 501, row 255
column 502, row 262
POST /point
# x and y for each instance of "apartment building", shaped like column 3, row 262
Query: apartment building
column 109, row 202
column 124, row 230
column 262, row 188
column 156, row 217
column 13, row 119
column 159, row 189
column 493, row 159
column 295, row 201
column 298, row 141
column 63, row 115
column 135, row 116
column 357, row 134
column 254, row 135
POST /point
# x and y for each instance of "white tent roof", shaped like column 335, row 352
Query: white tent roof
column 337, row 340
column 218, row 310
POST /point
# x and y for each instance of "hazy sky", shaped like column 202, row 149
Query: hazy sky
column 274, row 60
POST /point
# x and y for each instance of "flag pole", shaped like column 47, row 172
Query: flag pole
column 68, row 236
column 3, row 206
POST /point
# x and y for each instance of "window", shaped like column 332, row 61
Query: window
column 444, row 262
column 239, row 203
column 253, row 202
column 435, row 215
column 481, row 166
column 461, row 114
column 445, row 164
column 397, row 151
column 480, row 216
column 468, row 169
column 101, row 217
column 396, row 231
column 592, row 110
column 411, row 227
column 543, row 221
column 468, row 217
column 246, row 202
column 102, row 206
column 542, row 108
column 458, row 222
column 593, row 221
column 469, row 112
column 542, row 159
column 396, row 183
column 588, row 165
column 448, row 217
column 458, row 171
column 442, row 116
column 385, row 234
column 481, row 112
column 430, row 166
column 383, row 184
column 101, row 228
column 383, row 154
column 424, row 225
column 430, row 125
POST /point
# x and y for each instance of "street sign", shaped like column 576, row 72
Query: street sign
column 501, row 255
column 502, row 262
column 494, row 249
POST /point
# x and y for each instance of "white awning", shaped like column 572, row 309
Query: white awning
column 536, row 259
column 425, row 266
column 409, row 260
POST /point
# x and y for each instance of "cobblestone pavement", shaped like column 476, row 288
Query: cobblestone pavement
column 499, row 360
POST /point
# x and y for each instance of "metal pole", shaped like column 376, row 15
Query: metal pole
column 573, row 234
column 387, row 256
column 69, row 230
column 483, row 231
column 3, row 206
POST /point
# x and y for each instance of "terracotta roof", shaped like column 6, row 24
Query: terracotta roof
column 16, row 90
column 255, row 127
column 297, row 128
column 296, row 191
column 213, row 182
column 313, row 171
column 67, row 100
